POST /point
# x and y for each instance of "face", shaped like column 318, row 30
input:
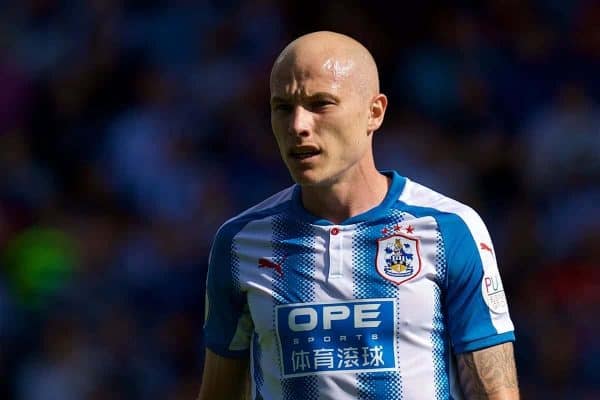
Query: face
column 320, row 119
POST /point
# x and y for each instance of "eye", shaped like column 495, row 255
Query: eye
column 320, row 104
column 282, row 107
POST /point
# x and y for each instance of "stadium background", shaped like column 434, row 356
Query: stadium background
column 129, row 130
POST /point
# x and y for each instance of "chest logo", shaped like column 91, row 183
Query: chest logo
column 398, row 259
column 346, row 336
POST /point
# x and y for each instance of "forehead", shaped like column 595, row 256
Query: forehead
column 308, row 74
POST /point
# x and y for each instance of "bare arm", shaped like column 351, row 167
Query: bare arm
column 489, row 374
column 224, row 378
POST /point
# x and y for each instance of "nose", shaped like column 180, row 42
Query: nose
column 301, row 121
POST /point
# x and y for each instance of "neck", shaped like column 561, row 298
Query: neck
column 346, row 198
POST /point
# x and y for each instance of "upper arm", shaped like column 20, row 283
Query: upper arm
column 474, row 300
column 224, row 378
column 489, row 374
column 228, row 325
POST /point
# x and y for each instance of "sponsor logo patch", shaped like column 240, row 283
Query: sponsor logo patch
column 317, row 338
column 493, row 293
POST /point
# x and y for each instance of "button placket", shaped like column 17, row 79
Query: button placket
column 336, row 261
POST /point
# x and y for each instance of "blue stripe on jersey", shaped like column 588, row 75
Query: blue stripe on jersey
column 257, row 374
column 235, row 268
column 290, row 237
column 439, row 347
column 379, row 385
column 439, row 337
column 367, row 284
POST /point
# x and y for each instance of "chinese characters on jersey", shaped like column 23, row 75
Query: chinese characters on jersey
column 338, row 358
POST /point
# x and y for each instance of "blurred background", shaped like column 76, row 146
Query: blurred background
column 130, row 130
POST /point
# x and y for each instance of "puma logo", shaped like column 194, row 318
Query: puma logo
column 265, row 263
column 486, row 247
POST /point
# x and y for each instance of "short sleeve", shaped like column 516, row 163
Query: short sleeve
column 476, row 304
column 228, row 326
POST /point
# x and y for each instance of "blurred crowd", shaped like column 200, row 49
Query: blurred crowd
column 130, row 130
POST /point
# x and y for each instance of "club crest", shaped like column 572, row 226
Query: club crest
column 398, row 258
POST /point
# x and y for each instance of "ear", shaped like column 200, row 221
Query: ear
column 377, row 112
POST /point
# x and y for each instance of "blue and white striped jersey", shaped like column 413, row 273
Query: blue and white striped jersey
column 373, row 308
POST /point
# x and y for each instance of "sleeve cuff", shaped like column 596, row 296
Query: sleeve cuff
column 484, row 342
column 223, row 352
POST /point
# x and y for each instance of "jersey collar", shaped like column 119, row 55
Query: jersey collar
column 393, row 194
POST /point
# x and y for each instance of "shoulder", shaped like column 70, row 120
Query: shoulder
column 273, row 205
column 450, row 214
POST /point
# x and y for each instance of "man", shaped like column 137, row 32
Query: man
column 353, row 283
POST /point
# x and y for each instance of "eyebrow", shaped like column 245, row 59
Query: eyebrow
column 315, row 96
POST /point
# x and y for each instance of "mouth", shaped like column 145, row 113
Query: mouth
column 304, row 153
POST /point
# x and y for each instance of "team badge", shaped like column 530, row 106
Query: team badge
column 398, row 259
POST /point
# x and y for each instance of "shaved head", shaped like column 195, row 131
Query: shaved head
column 330, row 53
column 325, row 106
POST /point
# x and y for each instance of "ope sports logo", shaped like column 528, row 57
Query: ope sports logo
column 364, row 315
column 356, row 335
